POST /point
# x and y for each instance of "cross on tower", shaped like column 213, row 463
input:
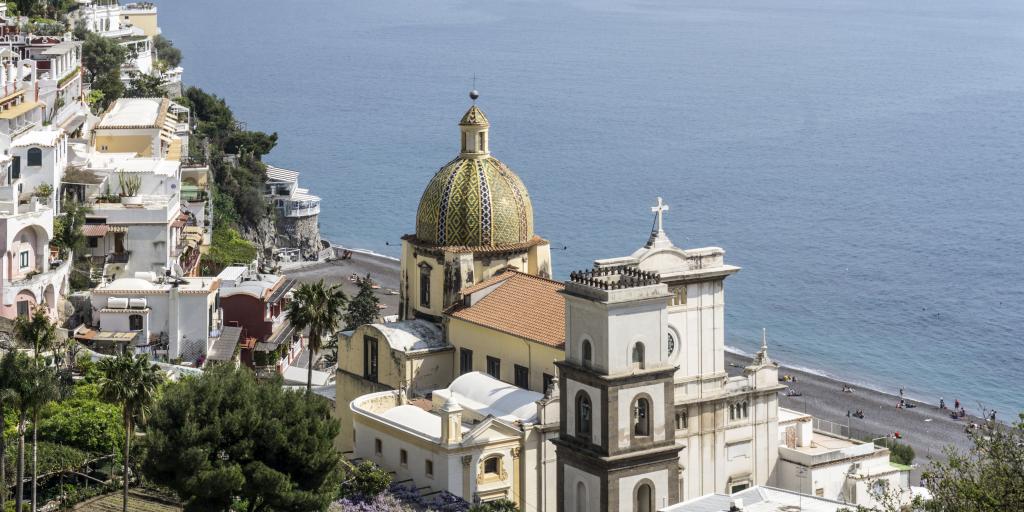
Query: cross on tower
column 659, row 211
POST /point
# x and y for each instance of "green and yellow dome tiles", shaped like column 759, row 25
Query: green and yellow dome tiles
column 475, row 200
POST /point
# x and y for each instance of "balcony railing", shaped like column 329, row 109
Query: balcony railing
column 302, row 212
column 119, row 257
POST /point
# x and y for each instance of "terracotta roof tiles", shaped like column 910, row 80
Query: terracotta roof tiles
column 522, row 305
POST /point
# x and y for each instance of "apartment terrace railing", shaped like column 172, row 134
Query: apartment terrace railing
column 119, row 257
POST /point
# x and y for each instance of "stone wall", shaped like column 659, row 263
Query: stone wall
column 302, row 233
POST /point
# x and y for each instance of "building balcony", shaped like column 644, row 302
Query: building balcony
column 301, row 211
column 119, row 257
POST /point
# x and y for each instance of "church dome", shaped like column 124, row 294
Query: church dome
column 475, row 200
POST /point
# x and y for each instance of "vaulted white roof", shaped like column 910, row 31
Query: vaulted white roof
column 486, row 395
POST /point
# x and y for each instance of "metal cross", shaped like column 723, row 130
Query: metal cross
column 659, row 211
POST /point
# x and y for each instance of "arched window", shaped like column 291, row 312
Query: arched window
column 584, row 418
column 644, row 498
column 581, row 497
column 585, row 354
column 492, row 466
column 642, row 417
column 135, row 322
column 35, row 157
column 638, row 355
column 425, row 285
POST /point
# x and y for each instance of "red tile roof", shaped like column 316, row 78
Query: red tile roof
column 521, row 304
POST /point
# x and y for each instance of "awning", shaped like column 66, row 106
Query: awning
column 224, row 348
column 19, row 109
column 95, row 229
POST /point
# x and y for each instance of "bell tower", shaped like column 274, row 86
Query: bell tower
column 616, row 449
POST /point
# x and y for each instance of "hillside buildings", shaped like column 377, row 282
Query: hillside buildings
column 296, row 215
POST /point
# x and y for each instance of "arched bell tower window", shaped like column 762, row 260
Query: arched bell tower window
column 584, row 416
column 644, row 498
column 642, row 417
column 637, row 357
column 586, row 354
column 581, row 497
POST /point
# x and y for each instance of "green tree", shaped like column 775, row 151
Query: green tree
column 36, row 388
column 141, row 85
column 84, row 421
column 36, row 331
column 102, row 59
column 166, row 52
column 319, row 308
column 988, row 477
column 364, row 307
column 131, row 382
column 364, row 480
column 67, row 228
column 12, row 367
column 225, row 435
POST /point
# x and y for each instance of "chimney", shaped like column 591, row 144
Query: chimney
column 736, row 506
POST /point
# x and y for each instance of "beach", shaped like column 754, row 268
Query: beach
column 924, row 427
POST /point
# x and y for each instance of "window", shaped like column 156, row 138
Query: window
column 681, row 420
column 494, row 367
column 15, row 167
column 429, row 468
column 465, row 361
column 738, row 487
column 644, row 498
column 581, row 497
column 522, row 377
column 642, row 417
column 424, row 285
column 481, row 142
column 491, row 465
column 670, row 343
column 34, row 157
column 584, row 420
column 678, row 296
column 135, row 323
column 738, row 410
column 378, row 447
column 586, row 354
column 94, row 242
column 403, row 457
column 370, row 358
column 24, row 259
column 638, row 355
column 22, row 308
column 549, row 380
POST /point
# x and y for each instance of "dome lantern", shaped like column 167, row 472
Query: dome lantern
column 474, row 127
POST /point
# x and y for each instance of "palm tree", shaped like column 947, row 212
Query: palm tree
column 319, row 308
column 41, row 389
column 36, row 331
column 133, row 383
column 11, row 375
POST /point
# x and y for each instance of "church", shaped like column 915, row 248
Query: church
column 606, row 392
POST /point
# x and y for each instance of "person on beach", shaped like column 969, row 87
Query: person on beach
column 992, row 417
column 942, row 403
column 956, row 404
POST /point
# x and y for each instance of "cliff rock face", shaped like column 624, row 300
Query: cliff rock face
column 302, row 233
column 264, row 235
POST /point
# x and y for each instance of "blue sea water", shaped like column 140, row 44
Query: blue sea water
column 860, row 159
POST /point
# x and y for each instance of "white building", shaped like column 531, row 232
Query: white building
column 757, row 499
column 814, row 462
column 168, row 318
column 479, row 438
column 29, row 273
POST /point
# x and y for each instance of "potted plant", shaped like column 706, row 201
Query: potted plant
column 130, row 185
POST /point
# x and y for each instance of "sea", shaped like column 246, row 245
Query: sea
column 861, row 160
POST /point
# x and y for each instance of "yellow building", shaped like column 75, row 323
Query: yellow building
column 474, row 219
column 142, row 15
column 146, row 127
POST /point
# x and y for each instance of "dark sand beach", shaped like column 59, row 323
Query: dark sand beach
column 924, row 427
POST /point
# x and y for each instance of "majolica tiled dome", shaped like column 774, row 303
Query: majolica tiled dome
column 475, row 200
